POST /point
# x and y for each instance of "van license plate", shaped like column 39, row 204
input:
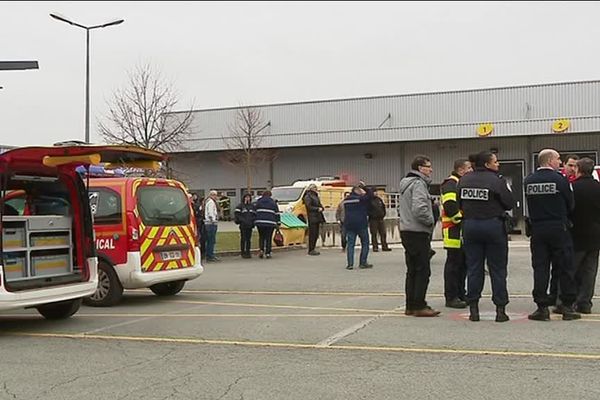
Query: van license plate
column 170, row 255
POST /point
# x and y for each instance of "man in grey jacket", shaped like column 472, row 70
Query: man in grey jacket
column 416, row 226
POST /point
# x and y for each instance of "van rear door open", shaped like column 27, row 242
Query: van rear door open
column 46, row 235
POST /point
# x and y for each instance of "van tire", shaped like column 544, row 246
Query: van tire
column 167, row 288
column 60, row 310
column 109, row 291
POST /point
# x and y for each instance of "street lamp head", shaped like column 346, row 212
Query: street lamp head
column 61, row 18
column 117, row 22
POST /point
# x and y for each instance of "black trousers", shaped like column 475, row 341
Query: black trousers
column 418, row 268
column 551, row 245
column 377, row 227
column 586, row 269
column 313, row 235
column 486, row 240
column 455, row 274
column 245, row 240
column 265, row 238
column 202, row 240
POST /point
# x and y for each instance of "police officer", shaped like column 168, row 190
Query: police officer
column 484, row 197
column 455, row 269
column 550, row 203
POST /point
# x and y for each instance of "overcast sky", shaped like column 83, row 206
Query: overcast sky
column 227, row 54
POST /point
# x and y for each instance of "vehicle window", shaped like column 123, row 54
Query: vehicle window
column 14, row 203
column 105, row 205
column 30, row 195
column 286, row 195
column 163, row 206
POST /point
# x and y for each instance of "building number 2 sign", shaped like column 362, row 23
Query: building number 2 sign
column 560, row 125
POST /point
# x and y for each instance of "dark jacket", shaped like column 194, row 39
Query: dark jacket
column 482, row 194
column 313, row 203
column 586, row 215
column 267, row 212
column 376, row 208
column 356, row 211
column 198, row 215
column 245, row 214
column 549, row 197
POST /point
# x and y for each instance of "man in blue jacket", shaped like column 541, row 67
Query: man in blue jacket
column 356, row 223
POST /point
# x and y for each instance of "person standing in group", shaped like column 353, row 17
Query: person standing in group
column 211, row 220
column 455, row 269
column 416, row 227
column 586, row 233
column 314, row 208
column 376, row 223
column 484, row 197
column 550, row 204
column 244, row 216
column 340, row 216
column 570, row 172
column 356, row 222
column 267, row 219
column 198, row 207
column 570, row 165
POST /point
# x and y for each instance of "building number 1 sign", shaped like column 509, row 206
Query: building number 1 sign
column 484, row 130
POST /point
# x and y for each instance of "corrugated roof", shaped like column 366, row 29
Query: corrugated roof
column 515, row 111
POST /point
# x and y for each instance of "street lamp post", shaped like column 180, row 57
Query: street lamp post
column 87, row 63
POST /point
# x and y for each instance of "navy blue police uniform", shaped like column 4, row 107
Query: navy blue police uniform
column 550, row 204
column 484, row 197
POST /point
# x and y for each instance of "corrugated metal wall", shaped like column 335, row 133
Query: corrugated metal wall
column 380, row 164
column 514, row 111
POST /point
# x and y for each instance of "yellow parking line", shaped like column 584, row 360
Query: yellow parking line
column 215, row 303
column 477, row 352
column 316, row 293
column 210, row 315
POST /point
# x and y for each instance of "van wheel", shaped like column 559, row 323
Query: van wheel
column 167, row 288
column 109, row 290
column 60, row 310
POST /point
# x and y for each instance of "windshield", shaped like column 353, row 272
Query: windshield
column 286, row 194
column 163, row 206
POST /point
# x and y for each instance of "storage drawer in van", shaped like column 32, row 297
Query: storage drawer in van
column 43, row 222
column 50, row 264
column 13, row 237
column 15, row 266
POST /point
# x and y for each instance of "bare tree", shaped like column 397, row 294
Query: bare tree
column 138, row 113
column 245, row 142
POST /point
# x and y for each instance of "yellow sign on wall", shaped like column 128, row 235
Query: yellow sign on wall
column 560, row 125
column 485, row 130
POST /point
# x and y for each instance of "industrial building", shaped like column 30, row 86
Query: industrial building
column 375, row 138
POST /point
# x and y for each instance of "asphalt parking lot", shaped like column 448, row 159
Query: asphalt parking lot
column 298, row 327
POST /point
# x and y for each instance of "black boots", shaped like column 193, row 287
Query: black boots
column 474, row 312
column 501, row 314
column 569, row 314
column 541, row 314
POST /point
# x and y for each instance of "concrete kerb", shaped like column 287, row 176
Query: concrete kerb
column 514, row 241
column 274, row 249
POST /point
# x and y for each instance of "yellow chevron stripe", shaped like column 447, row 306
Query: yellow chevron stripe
column 148, row 262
